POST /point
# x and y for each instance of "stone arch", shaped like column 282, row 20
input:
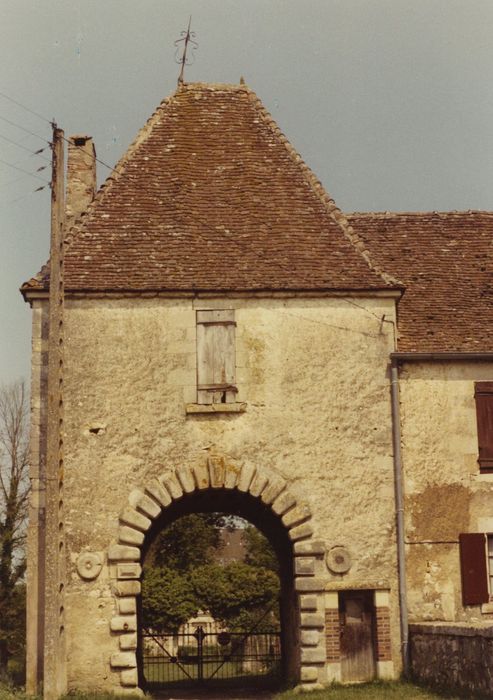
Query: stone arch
column 158, row 494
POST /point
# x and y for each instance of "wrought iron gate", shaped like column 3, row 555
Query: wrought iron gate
column 195, row 655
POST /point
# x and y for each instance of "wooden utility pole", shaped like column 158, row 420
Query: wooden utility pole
column 54, row 669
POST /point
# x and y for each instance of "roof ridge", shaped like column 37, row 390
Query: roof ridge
column 328, row 202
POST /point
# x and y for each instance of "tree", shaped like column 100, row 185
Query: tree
column 168, row 599
column 259, row 551
column 14, row 493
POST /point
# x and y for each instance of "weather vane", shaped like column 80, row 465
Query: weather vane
column 185, row 59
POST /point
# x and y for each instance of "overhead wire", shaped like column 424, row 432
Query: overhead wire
column 26, row 172
column 25, row 148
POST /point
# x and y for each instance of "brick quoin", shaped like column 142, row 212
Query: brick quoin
column 332, row 635
column 383, row 642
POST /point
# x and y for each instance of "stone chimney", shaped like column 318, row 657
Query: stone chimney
column 81, row 176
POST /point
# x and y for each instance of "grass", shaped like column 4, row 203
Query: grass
column 378, row 690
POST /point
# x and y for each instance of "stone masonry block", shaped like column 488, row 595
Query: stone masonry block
column 126, row 588
column 123, row 659
column 316, row 620
column 201, row 474
column 216, row 471
column 130, row 516
column 309, row 584
column 245, row 478
column 310, row 638
column 123, row 623
column 129, row 678
column 308, row 602
column 122, row 552
column 300, row 532
column 172, row 485
column 127, row 606
column 148, row 506
column 231, row 474
column 158, row 492
column 272, row 490
column 128, row 641
column 312, row 655
column 304, row 566
column 315, row 547
column 298, row 514
column 128, row 571
column 283, row 502
column 259, row 482
column 185, row 477
column 128, row 535
column 309, row 673
column 309, row 687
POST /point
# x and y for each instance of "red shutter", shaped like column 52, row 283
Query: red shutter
column 473, row 567
column 484, row 415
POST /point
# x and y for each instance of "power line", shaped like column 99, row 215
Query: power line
column 24, row 196
column 24, row 148
column 11, row 99
column 24, row 171
column 18, row 126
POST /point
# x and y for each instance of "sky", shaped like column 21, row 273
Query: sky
column 390, row 102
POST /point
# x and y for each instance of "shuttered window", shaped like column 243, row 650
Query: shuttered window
column 474, row 568
column 216, row 357
column 484, row 415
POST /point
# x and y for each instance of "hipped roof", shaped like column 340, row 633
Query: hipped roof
column 211, row 196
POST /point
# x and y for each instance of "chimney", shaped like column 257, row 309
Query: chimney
column 81, row 176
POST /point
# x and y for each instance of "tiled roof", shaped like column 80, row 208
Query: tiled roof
column 211, row 196
column 445, row 261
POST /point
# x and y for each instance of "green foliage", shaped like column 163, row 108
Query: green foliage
column 237, row 594
column 378, row 690
column 168, row 599
column 259, row 551
column 188, row 542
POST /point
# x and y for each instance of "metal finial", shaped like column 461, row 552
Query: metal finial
column 187, row 37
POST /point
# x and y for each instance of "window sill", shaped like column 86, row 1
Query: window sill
column 192, row 408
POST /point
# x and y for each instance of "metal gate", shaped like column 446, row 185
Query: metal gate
column 196, row 656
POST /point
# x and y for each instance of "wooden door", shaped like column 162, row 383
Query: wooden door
column 357, row 642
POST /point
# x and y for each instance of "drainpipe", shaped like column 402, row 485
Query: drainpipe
column 399, row 506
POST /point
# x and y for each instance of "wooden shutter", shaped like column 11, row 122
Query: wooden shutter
column 216, row 357
column 484, row 416
column 473, row 567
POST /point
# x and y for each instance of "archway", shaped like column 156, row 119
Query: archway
column 262, row 498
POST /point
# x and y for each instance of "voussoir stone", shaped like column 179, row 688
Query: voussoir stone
column 245, row 477
column 129, row 535
column 148, row 506
column 201, row 474
column 315, row 547
column 283, row 502
column 130, row 516
column 172, row 485
column 158, row 492
column 123, row 552
column 231, row 474
column 185, row 477
column 259, row 482
column 300, row 532
column 272, row 490
column 299, row 514
column 216, row 471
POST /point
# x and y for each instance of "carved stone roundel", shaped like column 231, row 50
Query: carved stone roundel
column 89, row 565
column 338, row 560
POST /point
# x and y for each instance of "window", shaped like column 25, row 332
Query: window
column 216, row 357
column 476, row 564
column 484, row 415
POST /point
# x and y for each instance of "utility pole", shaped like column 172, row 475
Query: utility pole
column 54, row 670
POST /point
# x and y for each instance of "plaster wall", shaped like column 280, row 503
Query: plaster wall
column 445, row 494
column 313, row 373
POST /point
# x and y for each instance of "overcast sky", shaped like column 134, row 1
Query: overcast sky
column 389, row 101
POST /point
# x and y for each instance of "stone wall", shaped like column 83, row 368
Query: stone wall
column 445, row 494
column 456, row 656
column 312, row 377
